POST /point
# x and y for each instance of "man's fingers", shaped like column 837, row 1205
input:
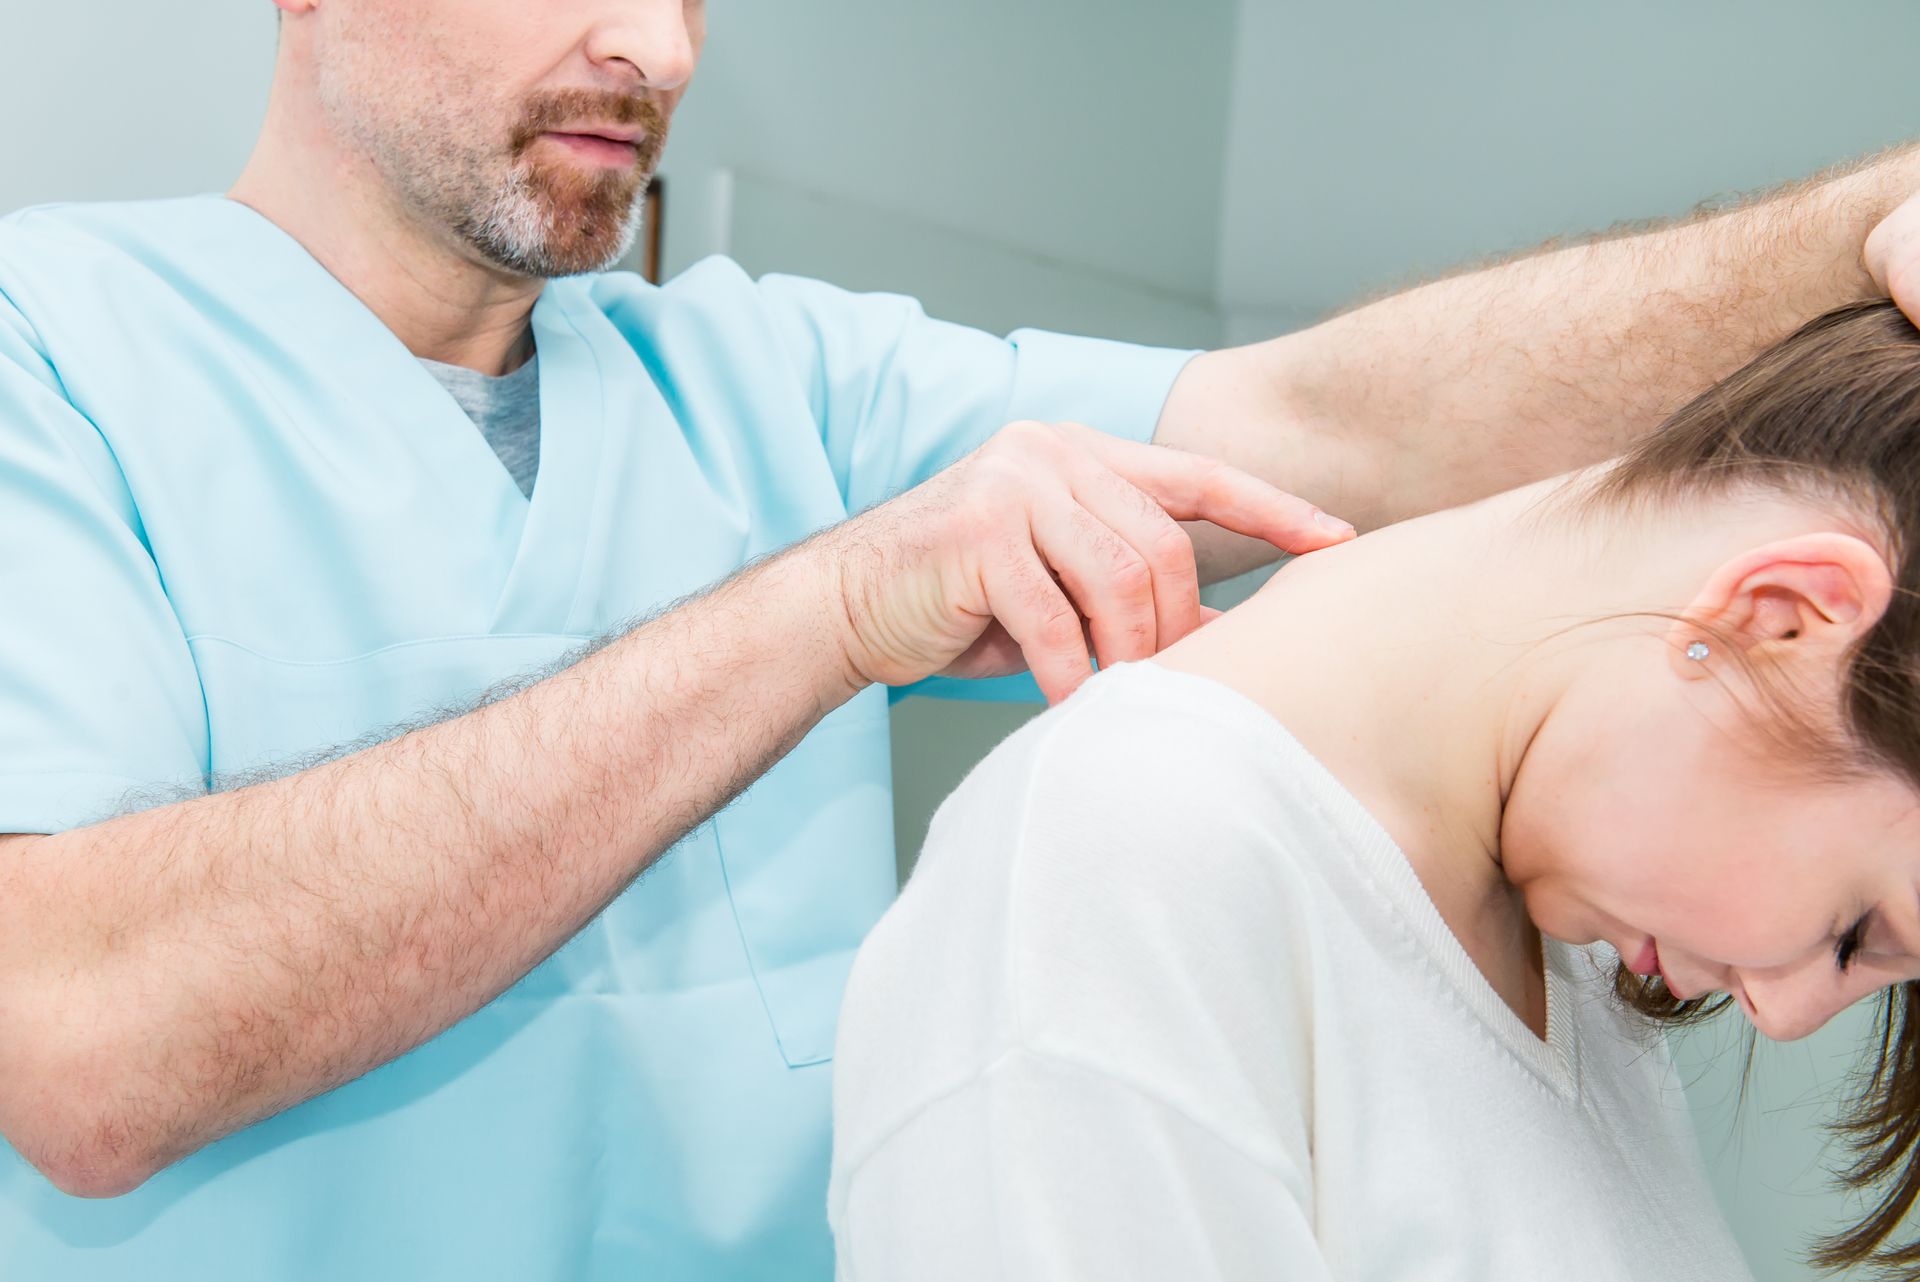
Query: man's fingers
column 1193, row 488
column 1066, row 541
column 1028, row 603
column 1892, row 255
column 1107, row 580
column 1157, row 539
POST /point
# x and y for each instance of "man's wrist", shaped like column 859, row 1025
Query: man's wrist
column 802, row 604
column 1853, row 204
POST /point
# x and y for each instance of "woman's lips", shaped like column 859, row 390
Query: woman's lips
column 1651, row 955
column 1648, row 961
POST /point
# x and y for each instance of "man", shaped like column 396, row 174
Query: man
column 273, row 1009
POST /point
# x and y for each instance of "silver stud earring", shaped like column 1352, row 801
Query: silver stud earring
column 1698, row 652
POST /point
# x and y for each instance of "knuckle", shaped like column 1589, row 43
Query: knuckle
column 1131, row 577
column 997, row 486
column 1172, row 549
column 1022, row 434
column 1033, row 588
column 1060, row 628
column 991, row 455
column 1126, row 573
column 1211, row 477
column 1050, row 443
column 1169, row 537
column 1030, row 455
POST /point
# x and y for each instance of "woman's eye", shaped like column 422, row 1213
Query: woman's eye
column 1849, row 945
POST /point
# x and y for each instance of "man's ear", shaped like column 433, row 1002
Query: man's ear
column 294, row 8
column 1811, row 593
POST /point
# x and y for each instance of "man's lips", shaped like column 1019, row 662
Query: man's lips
column 599, row 148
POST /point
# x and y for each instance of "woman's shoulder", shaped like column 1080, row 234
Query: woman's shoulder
column 1150, row 770
column 1122, row 860
column 1099, row 893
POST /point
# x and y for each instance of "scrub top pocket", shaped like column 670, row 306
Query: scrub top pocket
column 798, row 849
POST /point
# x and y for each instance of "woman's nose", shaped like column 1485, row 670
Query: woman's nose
column 1787, row 1007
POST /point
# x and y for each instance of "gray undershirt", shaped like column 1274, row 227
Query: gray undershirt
column 505, row 409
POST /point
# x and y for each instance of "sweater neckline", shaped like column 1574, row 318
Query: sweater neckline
column 1379, row 861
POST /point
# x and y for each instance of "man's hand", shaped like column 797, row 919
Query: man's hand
column 1893, row 256
column 1559, row 359
column 1049, row 545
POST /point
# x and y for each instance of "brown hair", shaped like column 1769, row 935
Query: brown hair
column 1832, row 412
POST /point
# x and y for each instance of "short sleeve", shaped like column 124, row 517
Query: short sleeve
column 898, row 396
column 100, row 703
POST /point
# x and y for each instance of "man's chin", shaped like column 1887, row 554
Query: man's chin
column 549, row 229
column 575, row 255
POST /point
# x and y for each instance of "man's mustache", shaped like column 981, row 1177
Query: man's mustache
column 556, row 111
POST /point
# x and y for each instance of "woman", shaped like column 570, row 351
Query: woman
column 1267, row 958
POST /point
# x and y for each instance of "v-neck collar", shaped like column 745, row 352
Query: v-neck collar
column 1381, row 862
column 543, row 586
column 319, row 317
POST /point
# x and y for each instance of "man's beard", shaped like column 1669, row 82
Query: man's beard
column 556, row 219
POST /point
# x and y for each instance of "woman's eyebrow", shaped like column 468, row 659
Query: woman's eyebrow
column 1902, row 926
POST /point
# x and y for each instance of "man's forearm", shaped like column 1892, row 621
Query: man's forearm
column 1476, row 383
column 170, row 976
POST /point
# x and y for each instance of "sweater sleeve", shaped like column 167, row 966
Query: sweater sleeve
column 1042, row 1169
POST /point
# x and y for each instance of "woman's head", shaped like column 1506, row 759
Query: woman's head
column 1742, row 796
column 1750, row 798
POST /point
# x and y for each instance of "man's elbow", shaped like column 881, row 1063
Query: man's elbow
column 82, row 1172
column 77, row 1068
column 68, row 1116
column 83, row 1145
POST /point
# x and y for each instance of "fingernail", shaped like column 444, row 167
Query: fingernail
column 1327, row 521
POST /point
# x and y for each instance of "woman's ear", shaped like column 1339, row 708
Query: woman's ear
column 1814, row 593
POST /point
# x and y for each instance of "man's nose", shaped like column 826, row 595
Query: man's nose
column 650, row 40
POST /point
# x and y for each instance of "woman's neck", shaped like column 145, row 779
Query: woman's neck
column 1410, row 663
column 1420, row 662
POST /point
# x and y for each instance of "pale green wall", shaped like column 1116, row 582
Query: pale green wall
column 1083, row 130
column 1769, row 1155
column 116, row 99
column 1375, row 140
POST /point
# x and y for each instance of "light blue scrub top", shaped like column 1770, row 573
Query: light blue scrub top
column 241, row 525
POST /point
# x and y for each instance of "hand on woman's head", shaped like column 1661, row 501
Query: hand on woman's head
column 1892, row 256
